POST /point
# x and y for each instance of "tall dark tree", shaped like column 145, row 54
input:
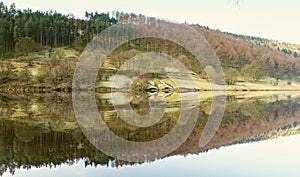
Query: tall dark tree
column 48, row 29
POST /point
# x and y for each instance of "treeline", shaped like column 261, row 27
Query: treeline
column 22, row 30
column 235, row 54
column 51, row 29
column 287, row 48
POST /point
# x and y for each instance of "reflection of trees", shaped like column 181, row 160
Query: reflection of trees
column 50, row 140
column 243, row 122
column 23, row 146
column 56, row 106
column 253, row 108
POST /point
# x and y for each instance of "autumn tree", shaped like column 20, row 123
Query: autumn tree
column 253, row 71
column 231, row 76
column 25, row 45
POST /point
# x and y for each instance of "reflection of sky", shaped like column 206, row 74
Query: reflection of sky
column 279, row 157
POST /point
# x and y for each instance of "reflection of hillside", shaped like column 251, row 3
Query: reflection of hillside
column 40, row 107
column 251, row 120
column 43, row 131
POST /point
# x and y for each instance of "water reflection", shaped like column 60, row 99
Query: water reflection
column 41, row 130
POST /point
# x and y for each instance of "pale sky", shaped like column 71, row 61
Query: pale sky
column 275, row 19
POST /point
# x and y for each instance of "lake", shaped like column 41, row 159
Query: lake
column 258, row 136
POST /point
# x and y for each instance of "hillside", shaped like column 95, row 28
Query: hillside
column 55, row 41
column 235, row 52
column 285, row 47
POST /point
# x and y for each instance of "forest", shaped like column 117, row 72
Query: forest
column 46, row 29
column 54, row 41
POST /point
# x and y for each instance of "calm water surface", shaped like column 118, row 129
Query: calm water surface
column 269, row 158
column 258, row 136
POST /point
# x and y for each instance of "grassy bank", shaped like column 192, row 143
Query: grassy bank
column 48, row 71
